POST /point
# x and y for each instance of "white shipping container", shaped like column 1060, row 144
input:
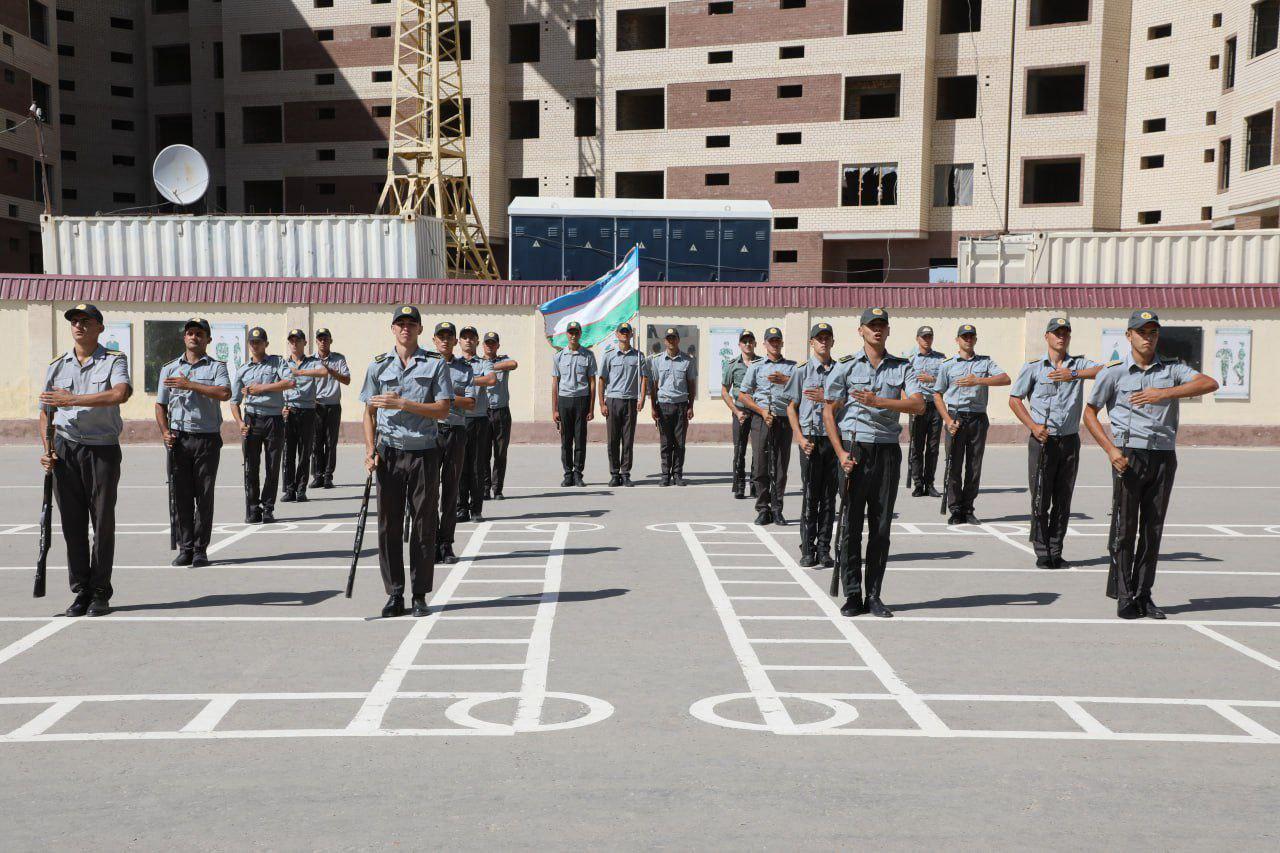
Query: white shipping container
column 1123, row 257
column 244, row 246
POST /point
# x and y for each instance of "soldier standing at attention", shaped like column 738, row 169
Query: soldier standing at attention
column 484, row 375
column 495, row 473
column 1140, row 394
column 406, row 391
column 83, row 390
column 189, row 412
column 730, row 388
column 623, row 384
column 573, row 397
column 452, row 441
column 1053, row 386
column 879, row 387
column 675, row 385
column 960, row 396
column 299, row 415
column 324, row 453
column 817, row 458
column 764, row 393
column 257, row 404
column 926, row 429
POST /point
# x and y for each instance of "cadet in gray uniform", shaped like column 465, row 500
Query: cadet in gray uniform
column 817, row 458
column 730, row 388
column 879, row 387
column 960, row 397
column 258, row 389
column 83, row 390
column 764, row 393
column 675, row 384
column 1053, row 385
column 299, row 415
column 452, row 440
column 624, row 384
column 926, row 429
column 479, row 437
column 573, row 390
column 1140, row 394
column 189, row 412
column 495, row 474
column 324, row 450
column 406, row 392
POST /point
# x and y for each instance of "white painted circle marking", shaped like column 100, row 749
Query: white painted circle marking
column 842, row 713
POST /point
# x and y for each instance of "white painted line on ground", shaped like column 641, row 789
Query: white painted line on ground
column 467, row 666
column 40, row 723
column 1246, row 723
column 1237, row 645
column 533, row 687
column 1007, row 539
column 245, row 533
column 817, row 667
column 1083, row 718
column 209, row 717
column 19, row 646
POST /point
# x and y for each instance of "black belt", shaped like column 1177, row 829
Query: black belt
column 966, row 415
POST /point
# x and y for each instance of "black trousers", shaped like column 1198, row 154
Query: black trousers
column 500, row 428
column 1140, row 500
column 818, row 473
column 407, row 480
column 741, row 440
column 673, row 426
column 922, row 458
column 964, row 460
column 85, row 481
column 265, row 439
column 1051, row 469
column 450, row 458
column 475, row 463
column 772, row 443
column 872, row 491
column 622, row 434
column 573, row 432
column 324, row 449
column 299, row 433
column 195, row 475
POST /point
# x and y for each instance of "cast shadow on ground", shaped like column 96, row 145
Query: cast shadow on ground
column 1232, row 602
column 929, row 555
column 533, row 598
column 296, row 555
column 260, row 599
column 534, row 516
column 568, row 552
column 1036, row 599
column 1174, row 557
column 1080, row 516
column 566, row 493
column 1000, row 490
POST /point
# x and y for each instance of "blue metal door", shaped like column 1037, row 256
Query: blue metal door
column 693, row 250
column 536, row 253
column 744, row 250
column 588, row 247
column 651, row 236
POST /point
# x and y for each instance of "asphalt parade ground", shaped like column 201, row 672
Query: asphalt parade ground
column 636, row 668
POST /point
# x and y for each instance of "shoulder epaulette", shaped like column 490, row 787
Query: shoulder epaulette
column 895, row 357
column 378, row 359
column 112, row 352
column 433, row 354
column 1113, row 363
column 58, row 358
column 1033, row 361
column 846, row 358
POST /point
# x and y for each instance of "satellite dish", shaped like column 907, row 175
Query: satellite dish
column 180, row 174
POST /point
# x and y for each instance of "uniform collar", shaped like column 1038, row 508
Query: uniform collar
column 204, row 359
column 1130, row 364
column 1047, row 358
column 814, row 361
column 99, row 353
column 976, row 356
column 669, row 357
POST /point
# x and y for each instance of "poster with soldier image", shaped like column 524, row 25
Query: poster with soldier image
column 1231, row 362
column 723, row 348
column 119, row 337
column 228, row 344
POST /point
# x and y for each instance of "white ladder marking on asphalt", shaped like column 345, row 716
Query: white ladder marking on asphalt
column 1237, row 645
column 209, row 717
column 1082, row 718
column 533, row 687
column 19, row 646
column 246, row 532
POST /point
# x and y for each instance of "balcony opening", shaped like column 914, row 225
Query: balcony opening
column 1055, row 90
column 584, row 117
column 262, row 125
column 638, row 184
column 872, row 97
column 641, row 109
column 1054, row 181
column 869, row 185
column 260, row 52
column 524, row 120
column 1048, row 12
column 584, row 39
column 171, row 64
column 874, row 16
column 525, row 45
column 960, row 16
column 957, row 97
column 642, row 29
column 1257, row 140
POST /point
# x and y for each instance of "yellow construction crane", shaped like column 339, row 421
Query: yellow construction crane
column 428, row 133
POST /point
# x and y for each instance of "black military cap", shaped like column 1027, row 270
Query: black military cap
column 671, row 332
column 323, row 332
column 197, row 323
column 409, row 311
column 1142, row 317
column 872, row 314
column 574, row 326
column 819, row 328
column 445, row 328
column 257, row 333
column 84, row 309
column 625, row 327
column 924, row 331
column 1057, row 323
column 747, row 335
column 490, row 337
column 966, row 329
column 297, row 333
column 469, row 330
column 772, row 332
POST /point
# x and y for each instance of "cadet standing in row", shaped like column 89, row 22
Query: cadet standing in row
column 573, row 389
column 624, row 384
column 299, row 415
column 453, row 441
column 742, row 417
column 499, row 418
column 1140, row 394
column 324, row 453
column 484, row 375
column 764, row 393
column 189, row 412
column 926, row 428
column 83, row 390
column 1053, row 386
column 675, row 384
column 878, row 388
column 406, row 391
column 257, row 405
column 817, row 455
column 960, row 397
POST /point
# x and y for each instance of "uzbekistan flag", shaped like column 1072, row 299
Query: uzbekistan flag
column 614, row 298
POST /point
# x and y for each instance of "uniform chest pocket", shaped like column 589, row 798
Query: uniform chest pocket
column 1129, row 384
column 1045, row 390
column 417, row 388
column 891, row 386
column 1162, row 382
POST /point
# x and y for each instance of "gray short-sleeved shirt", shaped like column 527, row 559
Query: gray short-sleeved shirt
column 1153, row 426
column 460, row 374
column 620, row 373
column 926, row 362
column 756, row 384
column 958, row 397
column 812, row 374
column 894, row 379
column 674, row 377
column 303, row 394
column 480, row 366
column 425, row 379
column 266, row 372
column 1057, row 405
column 328, row 389
column 734, row 372
column 95, row 425
column 500, row 394
column 189, row 411
column 573, row 368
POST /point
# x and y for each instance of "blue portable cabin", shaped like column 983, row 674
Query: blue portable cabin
column 580, row 239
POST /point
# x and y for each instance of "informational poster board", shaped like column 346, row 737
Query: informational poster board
column 722, row 348
column 1114, row 345
column 1231, row 363
column 228, row 345
column 119, row 337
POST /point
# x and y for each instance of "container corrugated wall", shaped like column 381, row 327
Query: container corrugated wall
column 245, row 246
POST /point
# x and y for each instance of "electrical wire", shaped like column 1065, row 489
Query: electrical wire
column 982, row 131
